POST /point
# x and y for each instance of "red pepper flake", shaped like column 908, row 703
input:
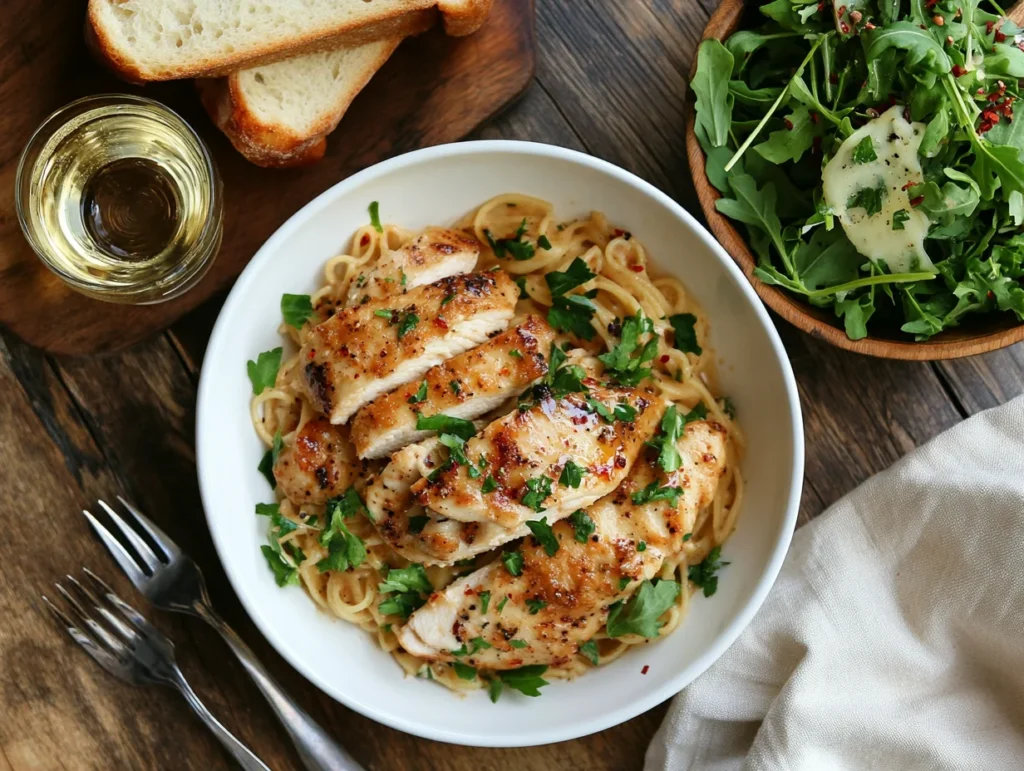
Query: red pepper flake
column 1000, row 37
column 665, row 358
column 637, row 268
column 917, row 201
column 958, row 71
column 908, row 186
column 645, row 670
column 312, row 354
column 789, row 124
column 440, row 322
column 365, row 239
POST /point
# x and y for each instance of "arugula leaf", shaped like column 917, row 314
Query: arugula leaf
column 527, row 680
column 446, row 424
column 266, row 466
column 538, row 490
column 791, row 142
column 710, row 85
column 572, row 475
column 297, row 309
column 513, row 562
column 685, row 326
column 703, row 574
column 582, row 524
column 640, row 614
column 544, row 534
column 263, row 371
column 922, row 50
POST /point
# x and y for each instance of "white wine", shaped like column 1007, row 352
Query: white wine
column 119, row 197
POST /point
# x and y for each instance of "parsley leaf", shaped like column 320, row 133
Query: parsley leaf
column 456, row 387
column 572, row 475
column 582, row 524
column 518, row 644
column 653, row 493
column 899, row 218
column 266, row 466
column 620, row 365
column 577, row 274
column 545, row 535
column 641, row 613
column 410, row 579
column 375, row 216
column 624, row 412
column 703, row 574
column 284, row 574
column 345, row 550
column 513, row 245
column 420, row 395
column 527, row 680
column 515, row 353
column 685, row 340
column 296, row 309
column 589, row 649
column 401, row 605
column 417, row 523
column 485, row 600
column 543, row 242
column 263, row 371
column 864, row 152
column 572, row 313
column 445, row 424
column 464, row 671
column 268, row 509
column 536, row 606
column 869, row 199
column 494, row 690
column 501, row 605
column 672, row 424
column 513, row 562
column 409, row 322
column 489, row 485
column 348, row 505
column 537, row 491
column 478, row 644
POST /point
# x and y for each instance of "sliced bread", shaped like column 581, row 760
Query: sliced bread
column 146, row 40
column 280, row 114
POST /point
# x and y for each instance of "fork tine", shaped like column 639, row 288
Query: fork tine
column 141, row 547
column 159, row 536
column 102, row 657
column 98, row 632
column 119, row 553
column 127, row 610
column 125, row 632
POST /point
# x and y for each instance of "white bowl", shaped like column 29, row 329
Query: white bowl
column 437, row 186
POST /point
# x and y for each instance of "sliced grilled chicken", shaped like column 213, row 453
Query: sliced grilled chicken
column 527, row 451
column 557, row 603
column 434, row 254
column 419, row 534
column 319, row 464
column 370, row 349
column 466, row 386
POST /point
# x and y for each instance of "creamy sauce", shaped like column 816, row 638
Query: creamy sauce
column 895, row 142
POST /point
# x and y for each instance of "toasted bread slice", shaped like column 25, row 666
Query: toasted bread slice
column 279, row 114
column 145, row 40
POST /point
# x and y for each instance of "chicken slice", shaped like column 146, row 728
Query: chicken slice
column 527, row 451
column 370, row 349
column 466, row 386
column 320, row 463
column 572, row 590
column 434, row 254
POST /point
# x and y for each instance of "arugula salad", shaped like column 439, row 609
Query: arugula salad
column 872, row 150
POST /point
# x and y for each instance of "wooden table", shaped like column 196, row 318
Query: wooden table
column 610, row 81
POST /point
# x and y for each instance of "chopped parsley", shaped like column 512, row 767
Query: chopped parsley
column 447, row 299
column 348, row 505
column 642, row 546
column 653, row 492
column 345, row 549
column 545, row 535
column 489, row 485
column 640, row 614
column 582, row 524
column 521, row 283
column 527, row 680
column 485, row 600
column 623, row 412
column 685, row 326
column 868, row 198
column 620, row 364
column 589, row 649
column 284, row 574
column 572, row 475
column 687, row 537
column 263, row 371
column 456, row 387
column 518, row 644
column 672, row 425
column 268, row 509
column 445, row 424
column 409, row 322
column 703, row 574
column 296, row 309
column 407, row 588
column 494, row 690
column 513, row 562
column 384, row 313
column 577, row 274
column 464, row 671
column 899, row 218
column 543, row 242
column 571, row 313
column 728, row 407
column 537, row 491
column 455, row 445
column 864, row 152
column 513, row 246
column 417, row 523
column 624, row 581
column 266, row 466
column 420, row 395
column 515, row 353
column 501, row 605
column 375, row 216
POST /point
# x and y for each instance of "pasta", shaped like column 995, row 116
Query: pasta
column 626, row 282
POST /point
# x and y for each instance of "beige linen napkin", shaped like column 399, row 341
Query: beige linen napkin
column 894, row 637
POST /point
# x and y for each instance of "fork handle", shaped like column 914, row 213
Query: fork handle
column 245, row 757
column 317, row 750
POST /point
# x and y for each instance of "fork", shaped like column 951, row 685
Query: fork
column 173, row 581
column 130, row 648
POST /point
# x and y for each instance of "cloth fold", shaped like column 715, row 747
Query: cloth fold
column 894, row 636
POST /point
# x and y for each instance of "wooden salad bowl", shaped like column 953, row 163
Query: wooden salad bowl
column 978, row 335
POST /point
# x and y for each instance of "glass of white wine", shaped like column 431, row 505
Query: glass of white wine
column 120, row 198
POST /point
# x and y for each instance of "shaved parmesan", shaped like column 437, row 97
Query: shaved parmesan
column 894, row 168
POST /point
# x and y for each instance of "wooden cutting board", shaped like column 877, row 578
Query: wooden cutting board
column 435, row 89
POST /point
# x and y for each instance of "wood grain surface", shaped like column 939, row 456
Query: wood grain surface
column 434, row 89
column 977, row 334
column 610, row 80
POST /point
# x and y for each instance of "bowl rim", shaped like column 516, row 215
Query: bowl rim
column 219, row 344
column 788, row 306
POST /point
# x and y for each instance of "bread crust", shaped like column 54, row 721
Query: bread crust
column 270, row 144
column 395, row 25
column 464, row 17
